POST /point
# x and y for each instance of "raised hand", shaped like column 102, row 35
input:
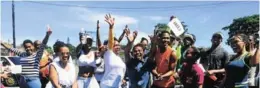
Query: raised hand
column 172, row 17
column 49, row 31
column 130, row 38
column 98, row 26
column 126, row 29
column 135, row 33
column 153, row 38
column 110, row 20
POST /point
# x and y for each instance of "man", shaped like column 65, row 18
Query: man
column 44, row 64
column 214, row 59
column 165, row 60
column 188, row 41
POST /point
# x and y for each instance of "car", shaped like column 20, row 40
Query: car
column 12, row 66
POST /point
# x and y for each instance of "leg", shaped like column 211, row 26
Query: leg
column 33, row 82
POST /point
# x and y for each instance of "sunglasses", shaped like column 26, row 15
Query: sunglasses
column 65, row 53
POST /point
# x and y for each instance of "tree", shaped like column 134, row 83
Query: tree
column 49, row 50
column 72, row 51
column 247, row 25
column 165, row 26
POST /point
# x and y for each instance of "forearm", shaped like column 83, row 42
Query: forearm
column 169, row 73
column 5, row 46
column 127, row 51
column 255, row 59
column 121, row 37
column 79, row 48
column 111, row 38
column 218, row 71
column 45, row 40
column 75, row 85
column 154, row 72
column 98, row 39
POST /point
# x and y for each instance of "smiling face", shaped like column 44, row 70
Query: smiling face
column 29, row 48
column 164, row 40
column 237, row 44
column 64, row 54
column 138, row 52
column 216, row 39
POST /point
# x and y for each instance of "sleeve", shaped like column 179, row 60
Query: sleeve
column 17, row 52
column 40, row 52
column 226, row 58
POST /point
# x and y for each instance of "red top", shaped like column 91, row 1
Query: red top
column 164, row 64
column 191, row 75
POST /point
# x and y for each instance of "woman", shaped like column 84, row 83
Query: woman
column 62, row 73
column 237, row 69
column 87, row 64
column 30, row 62
column 191, row 75
column 114, row 66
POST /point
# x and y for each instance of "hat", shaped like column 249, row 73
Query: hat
column 219, row 34
column 189, row 36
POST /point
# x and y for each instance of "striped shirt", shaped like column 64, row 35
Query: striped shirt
column 30, row 63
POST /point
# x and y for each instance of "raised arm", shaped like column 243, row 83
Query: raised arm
column 44, row 42
column 123, row 34
column 110, row 21
column 131, row 39
column 16, row 51
column 255, row 59
column 98, row 36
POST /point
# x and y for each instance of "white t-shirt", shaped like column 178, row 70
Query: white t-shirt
column 115, row 70
column 87, row 60
column 65, row 77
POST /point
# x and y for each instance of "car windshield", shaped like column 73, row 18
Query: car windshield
column 15, row 60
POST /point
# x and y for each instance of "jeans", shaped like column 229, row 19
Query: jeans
column 30, row 82
column 90, row 82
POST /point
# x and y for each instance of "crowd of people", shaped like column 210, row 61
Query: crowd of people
column 170, row 60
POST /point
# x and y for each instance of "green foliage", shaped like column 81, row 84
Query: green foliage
column 49, row 50
column 164, row 27
column 72, row 51
column 247, row 25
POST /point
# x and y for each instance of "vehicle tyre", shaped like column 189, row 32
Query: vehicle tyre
column 10, row 81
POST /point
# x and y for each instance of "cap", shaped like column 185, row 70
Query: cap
column 219, row 34
column 189, row 36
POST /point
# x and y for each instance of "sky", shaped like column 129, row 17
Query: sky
column 66, row 18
